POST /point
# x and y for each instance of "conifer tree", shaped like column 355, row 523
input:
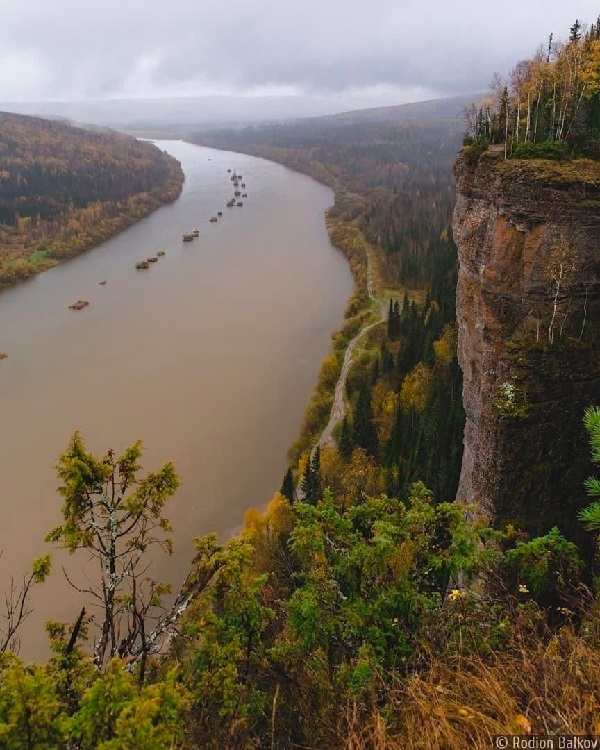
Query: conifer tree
column 311, row 481
column 393, row 321
column 287, row 486
column 308, row 484
column 316, row 472
column 390, row 321
column 364, row 433
column 345, row 442
column 387, row 360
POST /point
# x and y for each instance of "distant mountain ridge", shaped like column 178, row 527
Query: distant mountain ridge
column 449, row 108
column 217, row 111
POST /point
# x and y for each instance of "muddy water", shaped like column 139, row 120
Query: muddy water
column 210, row 357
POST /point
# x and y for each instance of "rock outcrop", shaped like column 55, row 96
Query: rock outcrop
column 528, row 235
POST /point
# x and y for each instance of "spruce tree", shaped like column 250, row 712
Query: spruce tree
column 393, row 322
column 390, row 320
column 310, row 481
column 345, row 442
column 387, row 360
column 375, row 372
column 316, row 472
column 364, row 435
column 287, row 486
column 306, row 485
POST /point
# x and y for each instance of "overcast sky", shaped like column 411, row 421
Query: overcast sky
column 391, row 50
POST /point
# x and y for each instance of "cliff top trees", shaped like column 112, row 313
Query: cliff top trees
column 552, row 102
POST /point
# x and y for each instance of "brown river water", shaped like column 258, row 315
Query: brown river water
column 210, row 357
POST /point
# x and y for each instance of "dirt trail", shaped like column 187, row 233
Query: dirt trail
column 338, row 409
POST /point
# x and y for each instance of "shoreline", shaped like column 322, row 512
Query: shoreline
column 130, row 214
column 358, row 316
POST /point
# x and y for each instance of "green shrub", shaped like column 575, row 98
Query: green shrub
column 542, row 150
column 547, row 567
column 472, row 152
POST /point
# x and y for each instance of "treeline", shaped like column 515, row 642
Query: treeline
column 550, row 107
column 64, row 189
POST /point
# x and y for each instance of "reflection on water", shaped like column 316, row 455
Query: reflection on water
column 209, row 356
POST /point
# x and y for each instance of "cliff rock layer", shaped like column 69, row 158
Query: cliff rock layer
column 528, row 235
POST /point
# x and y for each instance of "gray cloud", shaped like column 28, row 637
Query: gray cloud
column 73, row 50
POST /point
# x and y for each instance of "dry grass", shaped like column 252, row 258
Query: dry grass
column 536, row 686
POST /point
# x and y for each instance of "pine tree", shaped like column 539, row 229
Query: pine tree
column 287, row 486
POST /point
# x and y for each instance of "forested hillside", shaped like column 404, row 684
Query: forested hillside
column 64, row 189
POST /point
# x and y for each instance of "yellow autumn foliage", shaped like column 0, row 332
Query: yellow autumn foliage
column 445, row 346
column 265, row 531
column 415, row 388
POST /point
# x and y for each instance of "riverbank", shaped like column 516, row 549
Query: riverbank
column 69, row 244
column 338, row 408
column 363, row 313
column 70, row 189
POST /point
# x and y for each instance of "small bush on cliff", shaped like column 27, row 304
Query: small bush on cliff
column 509, row 402
column 548, row 567
column 473, row 149
column 543, row 150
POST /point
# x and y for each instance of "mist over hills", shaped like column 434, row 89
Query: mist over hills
column 215, row 111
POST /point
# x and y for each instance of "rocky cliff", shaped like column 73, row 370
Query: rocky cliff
column 528, row 234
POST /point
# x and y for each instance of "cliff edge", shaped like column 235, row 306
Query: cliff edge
column 528, row 307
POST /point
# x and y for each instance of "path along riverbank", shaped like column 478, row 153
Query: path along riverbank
column 338, row 408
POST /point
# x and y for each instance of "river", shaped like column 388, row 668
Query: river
column 210, row 357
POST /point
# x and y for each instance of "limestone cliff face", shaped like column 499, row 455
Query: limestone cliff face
column 528, row 235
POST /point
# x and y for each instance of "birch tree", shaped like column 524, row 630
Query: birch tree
column 560, row 268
